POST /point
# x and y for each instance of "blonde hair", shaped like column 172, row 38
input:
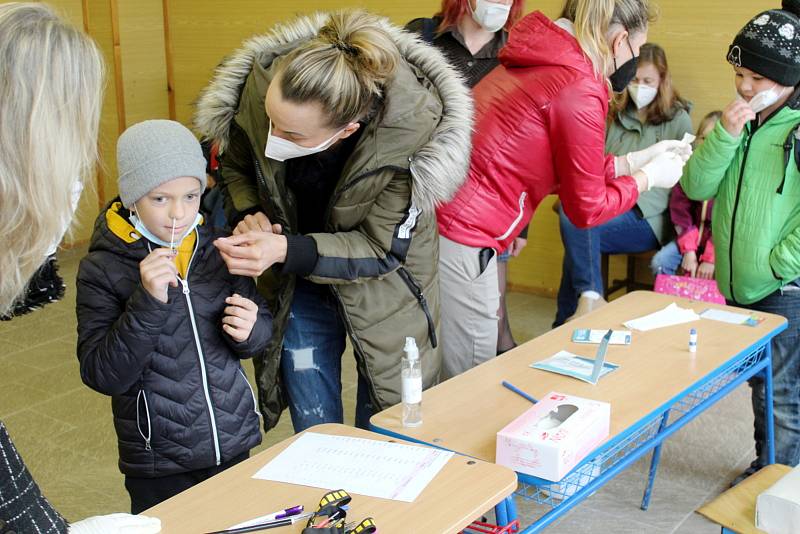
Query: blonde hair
column 50, row 96
column 344, row 68
column 593, row 20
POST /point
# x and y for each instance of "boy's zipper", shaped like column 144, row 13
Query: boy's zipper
column 200, row 356
column 149, row 435
column 252, row 394
column 736, row 206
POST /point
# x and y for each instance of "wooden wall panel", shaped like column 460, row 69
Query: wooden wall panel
column 141, row 36
column 203, row 32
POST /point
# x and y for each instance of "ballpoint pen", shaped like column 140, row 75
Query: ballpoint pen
column 280, row 514
column 266, row 525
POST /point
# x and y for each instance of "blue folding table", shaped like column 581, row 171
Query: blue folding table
column 659, row 387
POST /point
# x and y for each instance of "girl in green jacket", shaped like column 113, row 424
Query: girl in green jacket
column 749, row 165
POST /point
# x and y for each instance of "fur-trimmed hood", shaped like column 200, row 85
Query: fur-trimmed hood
column 438, row 167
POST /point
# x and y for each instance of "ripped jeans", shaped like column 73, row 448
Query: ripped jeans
column 311, row 361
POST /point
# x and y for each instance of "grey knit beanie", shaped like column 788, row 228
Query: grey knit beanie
column 153, row 152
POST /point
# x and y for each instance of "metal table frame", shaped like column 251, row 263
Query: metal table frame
column 647, row 434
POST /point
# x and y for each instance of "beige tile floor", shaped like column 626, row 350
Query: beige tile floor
column 64, row 431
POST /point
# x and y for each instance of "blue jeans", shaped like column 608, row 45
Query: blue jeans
column 667, row 260
column 785, row 382
column 311, row 361
column 626, row 233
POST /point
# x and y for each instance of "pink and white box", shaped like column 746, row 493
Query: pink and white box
column 551, row 437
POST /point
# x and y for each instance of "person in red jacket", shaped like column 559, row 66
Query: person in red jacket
column 540, row 129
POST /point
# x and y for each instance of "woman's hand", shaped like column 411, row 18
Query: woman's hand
column 517, row 245
column 258, row 222
column 689, row 263
column 706, row 271
column 253, row 252
column 736, row 115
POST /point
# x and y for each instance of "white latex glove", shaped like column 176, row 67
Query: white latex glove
column 637, row 160
column 664, row 170
column 116, row 524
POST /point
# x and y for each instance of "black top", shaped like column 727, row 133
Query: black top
column 451, row 42
column 313, row 180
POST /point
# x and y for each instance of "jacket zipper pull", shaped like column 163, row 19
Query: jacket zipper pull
column 147, row 444
column 185, row 285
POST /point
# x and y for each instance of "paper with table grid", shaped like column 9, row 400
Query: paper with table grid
column 356, row 465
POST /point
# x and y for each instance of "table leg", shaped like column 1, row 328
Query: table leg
column 501, row 512
column 651, row 478
column 768, row 401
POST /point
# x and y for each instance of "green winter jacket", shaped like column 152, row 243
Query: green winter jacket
column 380, row 251
column 756, row 221
column 627, row 134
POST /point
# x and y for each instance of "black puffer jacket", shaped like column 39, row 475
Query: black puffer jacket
column 181, row 401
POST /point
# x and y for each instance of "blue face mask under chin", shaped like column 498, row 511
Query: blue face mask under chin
column 150, row 236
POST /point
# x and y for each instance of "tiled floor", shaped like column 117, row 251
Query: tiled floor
column 64, row 431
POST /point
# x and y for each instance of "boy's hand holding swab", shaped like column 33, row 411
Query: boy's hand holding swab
column 240, row 316
column 158, row 272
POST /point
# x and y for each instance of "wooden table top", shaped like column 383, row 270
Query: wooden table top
column 465, row 413
column 462, row 491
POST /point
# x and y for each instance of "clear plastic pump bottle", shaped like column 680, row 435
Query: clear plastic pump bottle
column 411, row 376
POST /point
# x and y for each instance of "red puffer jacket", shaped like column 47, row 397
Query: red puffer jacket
column 540, row 129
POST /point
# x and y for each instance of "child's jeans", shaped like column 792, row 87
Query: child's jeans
column 148, row 492
column 785, row 381
column 667, row 260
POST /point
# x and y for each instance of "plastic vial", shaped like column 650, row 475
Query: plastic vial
column 411, row 376
column 692, row 340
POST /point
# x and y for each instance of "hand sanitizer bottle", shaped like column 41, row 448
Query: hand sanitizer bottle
column 411, row 375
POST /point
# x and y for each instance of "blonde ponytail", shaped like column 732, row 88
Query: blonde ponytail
column 593, row 20
column 50, row 98
column 344, row 68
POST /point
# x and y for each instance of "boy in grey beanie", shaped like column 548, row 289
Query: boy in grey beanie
column 163, row 325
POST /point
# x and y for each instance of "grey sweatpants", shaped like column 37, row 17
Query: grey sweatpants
column 469, row 303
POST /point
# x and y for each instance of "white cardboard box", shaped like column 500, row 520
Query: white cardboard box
column 551, row 437
column 778, row 508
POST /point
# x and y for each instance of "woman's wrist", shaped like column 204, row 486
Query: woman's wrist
column 642, row 181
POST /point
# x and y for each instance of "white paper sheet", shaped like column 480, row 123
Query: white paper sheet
column 356, row 465
column 671, row 315
column 730, row 317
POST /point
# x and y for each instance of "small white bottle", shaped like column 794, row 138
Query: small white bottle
column 411, row 376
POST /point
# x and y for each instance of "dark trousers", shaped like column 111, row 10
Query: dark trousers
column 148, row 492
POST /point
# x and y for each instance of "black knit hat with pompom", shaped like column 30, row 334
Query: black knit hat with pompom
column 770, row 44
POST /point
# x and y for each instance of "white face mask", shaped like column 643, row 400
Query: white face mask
column 153, row 238
column 489, row 15
column 642, row 95
column 281, row 149
column 765, row 99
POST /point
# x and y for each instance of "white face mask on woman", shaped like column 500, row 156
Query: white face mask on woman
column 490, row 15
column 281, row 149
column 642, row 95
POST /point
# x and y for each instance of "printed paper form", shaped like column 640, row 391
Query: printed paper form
column 357, row 465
